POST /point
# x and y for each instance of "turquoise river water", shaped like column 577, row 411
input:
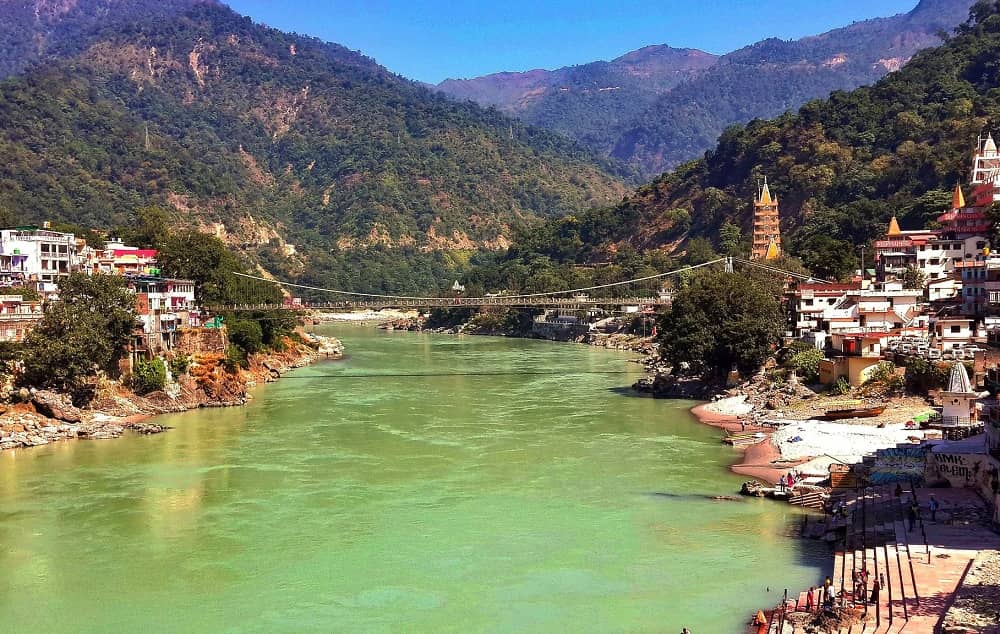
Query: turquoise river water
column 530, row 494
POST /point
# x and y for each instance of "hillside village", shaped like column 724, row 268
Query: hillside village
column 35, row 258
column 931, row 293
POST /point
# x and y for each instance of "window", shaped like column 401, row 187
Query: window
column 956, row 329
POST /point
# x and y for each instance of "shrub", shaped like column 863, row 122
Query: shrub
column 840, row 387
column 149, row 376
column 236, row 358
column 885, row 378
column 806, row 364
column 180, row 364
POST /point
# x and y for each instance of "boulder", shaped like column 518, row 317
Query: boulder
column 55, row 406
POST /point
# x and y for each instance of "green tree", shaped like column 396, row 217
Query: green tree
column 699, row 251
column 827, row 257
column 87, row 329
column 205, row 259
column 246, row 334
column 151, row 230
column 730, row 238
column 914, row 278
column 718, row 320
column 806, row 364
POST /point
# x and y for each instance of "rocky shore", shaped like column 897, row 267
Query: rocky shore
column 39, row 417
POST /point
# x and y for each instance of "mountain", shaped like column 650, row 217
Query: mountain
column 662, row 124
column 841, row 166
column 313, row 159
column 36, row 30
column 587, row 102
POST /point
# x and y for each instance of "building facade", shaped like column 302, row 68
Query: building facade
column 766, row 243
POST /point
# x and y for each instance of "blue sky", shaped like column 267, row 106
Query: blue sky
column 430, row 40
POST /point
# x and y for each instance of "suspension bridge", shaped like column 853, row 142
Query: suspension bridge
column 253, row 292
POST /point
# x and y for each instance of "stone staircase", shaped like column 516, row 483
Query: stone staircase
column 877, row 540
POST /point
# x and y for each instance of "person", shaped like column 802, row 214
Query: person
column 933, row 507
column 899, row 490
column 810, row 602
column 876, row 586
column 685, row 630
column 913, row 513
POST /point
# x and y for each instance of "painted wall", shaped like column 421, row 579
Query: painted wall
column 899, row 464
column 976, row 471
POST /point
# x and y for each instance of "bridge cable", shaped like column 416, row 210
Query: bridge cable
column 521, row 296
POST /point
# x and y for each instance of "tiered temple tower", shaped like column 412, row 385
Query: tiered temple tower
column 766, row 231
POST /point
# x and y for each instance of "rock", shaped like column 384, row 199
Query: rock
column 148, row 428
column 55, row 406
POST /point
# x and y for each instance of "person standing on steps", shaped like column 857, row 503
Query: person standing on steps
column 913, row 513
column 933, row 507
column 810, row 602
column 876, row 586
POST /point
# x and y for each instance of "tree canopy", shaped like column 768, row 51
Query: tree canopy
column 720, row 320
column 87, row 329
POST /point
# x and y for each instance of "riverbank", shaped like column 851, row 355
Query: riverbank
column 40, row 417
column 756, row 460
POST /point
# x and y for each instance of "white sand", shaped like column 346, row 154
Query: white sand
column 732, row 406
column 846, row 442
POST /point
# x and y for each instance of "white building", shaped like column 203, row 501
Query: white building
column 29, row 255
column 938, row 258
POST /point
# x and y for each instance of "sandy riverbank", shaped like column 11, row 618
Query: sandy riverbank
column 756, row 460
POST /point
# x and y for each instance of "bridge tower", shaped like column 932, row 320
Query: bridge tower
column 766, row 230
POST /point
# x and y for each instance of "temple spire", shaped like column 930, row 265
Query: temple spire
column 765, row 194
column 893, row 227
column 957, row 198
column 772, row 250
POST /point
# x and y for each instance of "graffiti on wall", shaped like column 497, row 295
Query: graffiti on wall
column 967, row 470
column 898, row 464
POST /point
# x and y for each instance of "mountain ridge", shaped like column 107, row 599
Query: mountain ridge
column 654, row 130
column 301, row 153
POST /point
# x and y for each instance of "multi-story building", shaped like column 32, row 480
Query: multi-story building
column 766, row 244
column 963, row 222
column 116, row 258
column 980, row 286
column 30, row 255
column 812, row 303
column 164, row 305
column 17, row 317
column 952, row 332
column 934, row 253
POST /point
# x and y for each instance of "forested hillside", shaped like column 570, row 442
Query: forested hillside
column 35, row 30
column 841, row 167
column 674, row 112
column 310, row 157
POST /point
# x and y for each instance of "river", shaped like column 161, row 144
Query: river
column 423, row 484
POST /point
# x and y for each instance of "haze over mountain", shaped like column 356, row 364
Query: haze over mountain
column 659, row 106
column 269, row 139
